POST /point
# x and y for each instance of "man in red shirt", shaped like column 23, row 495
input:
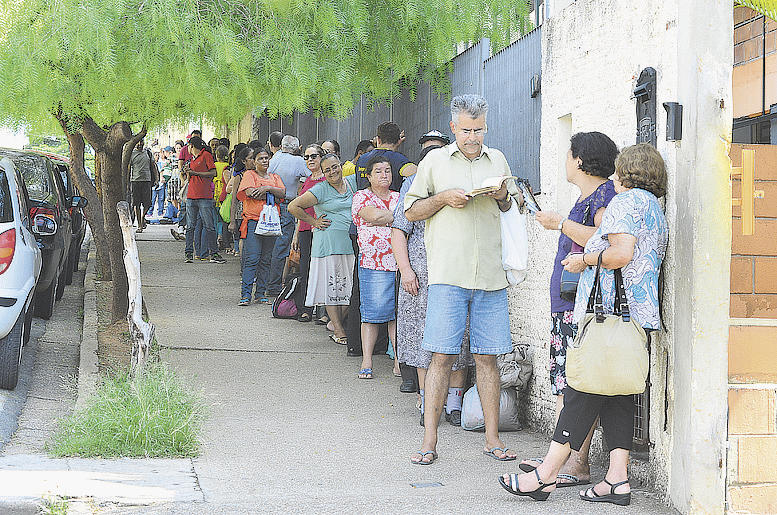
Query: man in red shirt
column 199, row 200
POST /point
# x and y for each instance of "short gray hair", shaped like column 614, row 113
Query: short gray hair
column 289, row 142
column 470, row 104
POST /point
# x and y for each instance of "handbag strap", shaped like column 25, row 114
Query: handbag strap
column 620, row 304
column 595, row 298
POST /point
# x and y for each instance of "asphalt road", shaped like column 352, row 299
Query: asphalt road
column 29, row 414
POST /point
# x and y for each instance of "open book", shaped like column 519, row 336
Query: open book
column 490, row 185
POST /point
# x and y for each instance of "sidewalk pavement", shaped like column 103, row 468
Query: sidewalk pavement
column 291, row 428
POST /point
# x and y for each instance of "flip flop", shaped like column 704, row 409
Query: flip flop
column 365, row 372
column 529, row 468
column 571, row 480
column 505, row 457
column 340, row 340
column 423, row 454
column 323, row 320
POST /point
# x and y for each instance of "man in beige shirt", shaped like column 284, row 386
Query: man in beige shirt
column 464, row 255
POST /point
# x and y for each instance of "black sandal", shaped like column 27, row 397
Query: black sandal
column 538, row 495
column 612, row 497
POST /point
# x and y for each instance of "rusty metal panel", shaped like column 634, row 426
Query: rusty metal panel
column 514, row 115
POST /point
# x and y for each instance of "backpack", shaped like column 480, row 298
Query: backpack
column 284, row 305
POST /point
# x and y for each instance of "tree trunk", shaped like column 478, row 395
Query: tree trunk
column 142, row 332
column 93, row 210
column 108, row 146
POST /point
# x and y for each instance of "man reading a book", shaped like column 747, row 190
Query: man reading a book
column 464, row 254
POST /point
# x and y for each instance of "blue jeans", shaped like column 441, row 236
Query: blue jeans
column 200, row 209
column 281, row 251
column 447, row 308
column 257, row 252
column 157, row 196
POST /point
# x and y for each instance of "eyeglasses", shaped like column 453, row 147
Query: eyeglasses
column 476, row 132
column 310, row 156
column 331, row 169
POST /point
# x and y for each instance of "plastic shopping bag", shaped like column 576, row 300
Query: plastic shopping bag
column 226, row 209
column 472, row 418
column 515, row 244
column 269, row 223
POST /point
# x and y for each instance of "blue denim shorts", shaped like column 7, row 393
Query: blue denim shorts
column 376, row 289
column 446, row 318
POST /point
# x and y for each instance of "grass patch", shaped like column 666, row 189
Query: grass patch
column 153, row 416
column 55, row 506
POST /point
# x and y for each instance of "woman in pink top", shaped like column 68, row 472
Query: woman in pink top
column 303, row 238
column 372, row 212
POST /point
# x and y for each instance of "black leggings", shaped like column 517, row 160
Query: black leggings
column 305, row 241
column 616, row 415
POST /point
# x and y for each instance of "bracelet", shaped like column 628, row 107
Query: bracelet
column 586, row 264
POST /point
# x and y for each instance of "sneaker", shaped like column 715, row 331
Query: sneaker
column 176, row 235
column 189, row 258
column 216, row 258
column 203, row 258
column 245, row 302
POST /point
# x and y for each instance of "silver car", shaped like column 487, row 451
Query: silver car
column 20, row 265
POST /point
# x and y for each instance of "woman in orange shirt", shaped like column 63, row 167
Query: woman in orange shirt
column 254, row 189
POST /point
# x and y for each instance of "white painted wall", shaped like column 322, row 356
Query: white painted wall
column 13, row 139
column 593, row 53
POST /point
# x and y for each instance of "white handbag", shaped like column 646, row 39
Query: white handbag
column 609, row 355
column 269, row 223
column 515, row 244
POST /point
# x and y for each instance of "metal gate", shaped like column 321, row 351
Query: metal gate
column 509, row 80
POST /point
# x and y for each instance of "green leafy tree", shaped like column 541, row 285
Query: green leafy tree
column 95, row 68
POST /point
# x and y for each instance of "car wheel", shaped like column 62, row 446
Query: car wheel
column 44, row 301
column 68, row 270
column 27, row 325
column 11, row 355
column 62, row 280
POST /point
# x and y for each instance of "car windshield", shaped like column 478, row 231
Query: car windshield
column 6, row 208
column 36, row 177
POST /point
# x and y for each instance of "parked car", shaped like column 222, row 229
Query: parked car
column 51, row 223
column 77, row 217
column 20, row 266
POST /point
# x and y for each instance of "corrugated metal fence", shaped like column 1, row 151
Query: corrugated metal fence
column 504, row 79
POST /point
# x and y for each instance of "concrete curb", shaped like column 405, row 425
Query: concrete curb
column 87, row 368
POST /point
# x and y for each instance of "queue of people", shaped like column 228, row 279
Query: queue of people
column 400, row 249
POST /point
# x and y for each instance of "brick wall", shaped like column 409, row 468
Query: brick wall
column 752, row 397
column 754, row 258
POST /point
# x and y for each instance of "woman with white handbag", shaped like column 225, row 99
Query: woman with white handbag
column 615, row 309
column 256, row 189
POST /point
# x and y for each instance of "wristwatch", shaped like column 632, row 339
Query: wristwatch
column 561, row 223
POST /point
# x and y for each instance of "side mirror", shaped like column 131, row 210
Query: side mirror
column 78, row 202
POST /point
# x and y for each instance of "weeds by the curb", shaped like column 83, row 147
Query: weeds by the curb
column 153, row 415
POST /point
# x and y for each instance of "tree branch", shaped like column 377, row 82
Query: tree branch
column 94, row 134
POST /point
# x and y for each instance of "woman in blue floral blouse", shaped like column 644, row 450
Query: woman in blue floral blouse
column 633, row 237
